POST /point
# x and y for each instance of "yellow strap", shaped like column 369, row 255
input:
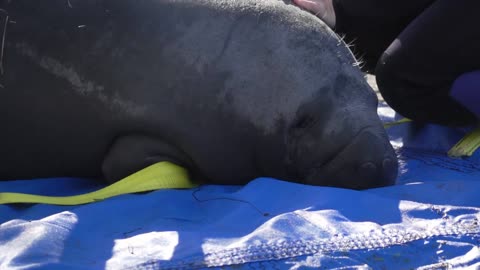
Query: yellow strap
column 466, row 146
column 165, row 175
column 401, row 121
column 161, row 175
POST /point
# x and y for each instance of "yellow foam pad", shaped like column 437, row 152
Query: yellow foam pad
column 464, row 148
column 467, row 145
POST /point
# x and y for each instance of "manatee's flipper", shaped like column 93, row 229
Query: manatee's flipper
column 129, row 154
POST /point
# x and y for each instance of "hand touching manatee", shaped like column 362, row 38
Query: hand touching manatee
column 231, row 90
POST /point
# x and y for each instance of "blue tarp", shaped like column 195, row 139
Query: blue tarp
column 429, row 220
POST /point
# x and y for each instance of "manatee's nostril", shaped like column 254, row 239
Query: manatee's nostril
column 369, row 166
column 304, row 122
column 368, row 169
column 389, row 168
column 387, row 164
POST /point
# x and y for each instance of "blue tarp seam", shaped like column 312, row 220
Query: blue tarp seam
column 288, row 249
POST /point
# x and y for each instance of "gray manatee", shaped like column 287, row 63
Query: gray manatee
column 231, row 90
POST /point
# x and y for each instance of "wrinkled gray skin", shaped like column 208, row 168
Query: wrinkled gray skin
column 232, row 90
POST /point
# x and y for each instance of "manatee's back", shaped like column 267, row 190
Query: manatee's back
column 55, row 120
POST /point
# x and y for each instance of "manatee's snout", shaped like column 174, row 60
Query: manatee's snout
column 362, row 160
column 368, row 161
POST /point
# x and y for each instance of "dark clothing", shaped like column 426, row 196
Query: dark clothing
column 417, row 48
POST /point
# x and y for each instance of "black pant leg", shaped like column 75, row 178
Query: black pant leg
column 371, row 25
column 417, row 70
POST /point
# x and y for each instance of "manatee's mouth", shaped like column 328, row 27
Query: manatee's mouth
column 366, row 161
column 322, row 173
column 328, row 160
column 326, row 173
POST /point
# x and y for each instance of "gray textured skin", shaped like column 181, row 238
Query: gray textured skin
column 232, row 90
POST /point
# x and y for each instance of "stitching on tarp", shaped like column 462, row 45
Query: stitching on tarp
column 285, row 249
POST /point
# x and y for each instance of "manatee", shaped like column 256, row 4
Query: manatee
column 230, row 90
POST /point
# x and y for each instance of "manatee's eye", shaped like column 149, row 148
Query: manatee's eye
column 304, row 122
